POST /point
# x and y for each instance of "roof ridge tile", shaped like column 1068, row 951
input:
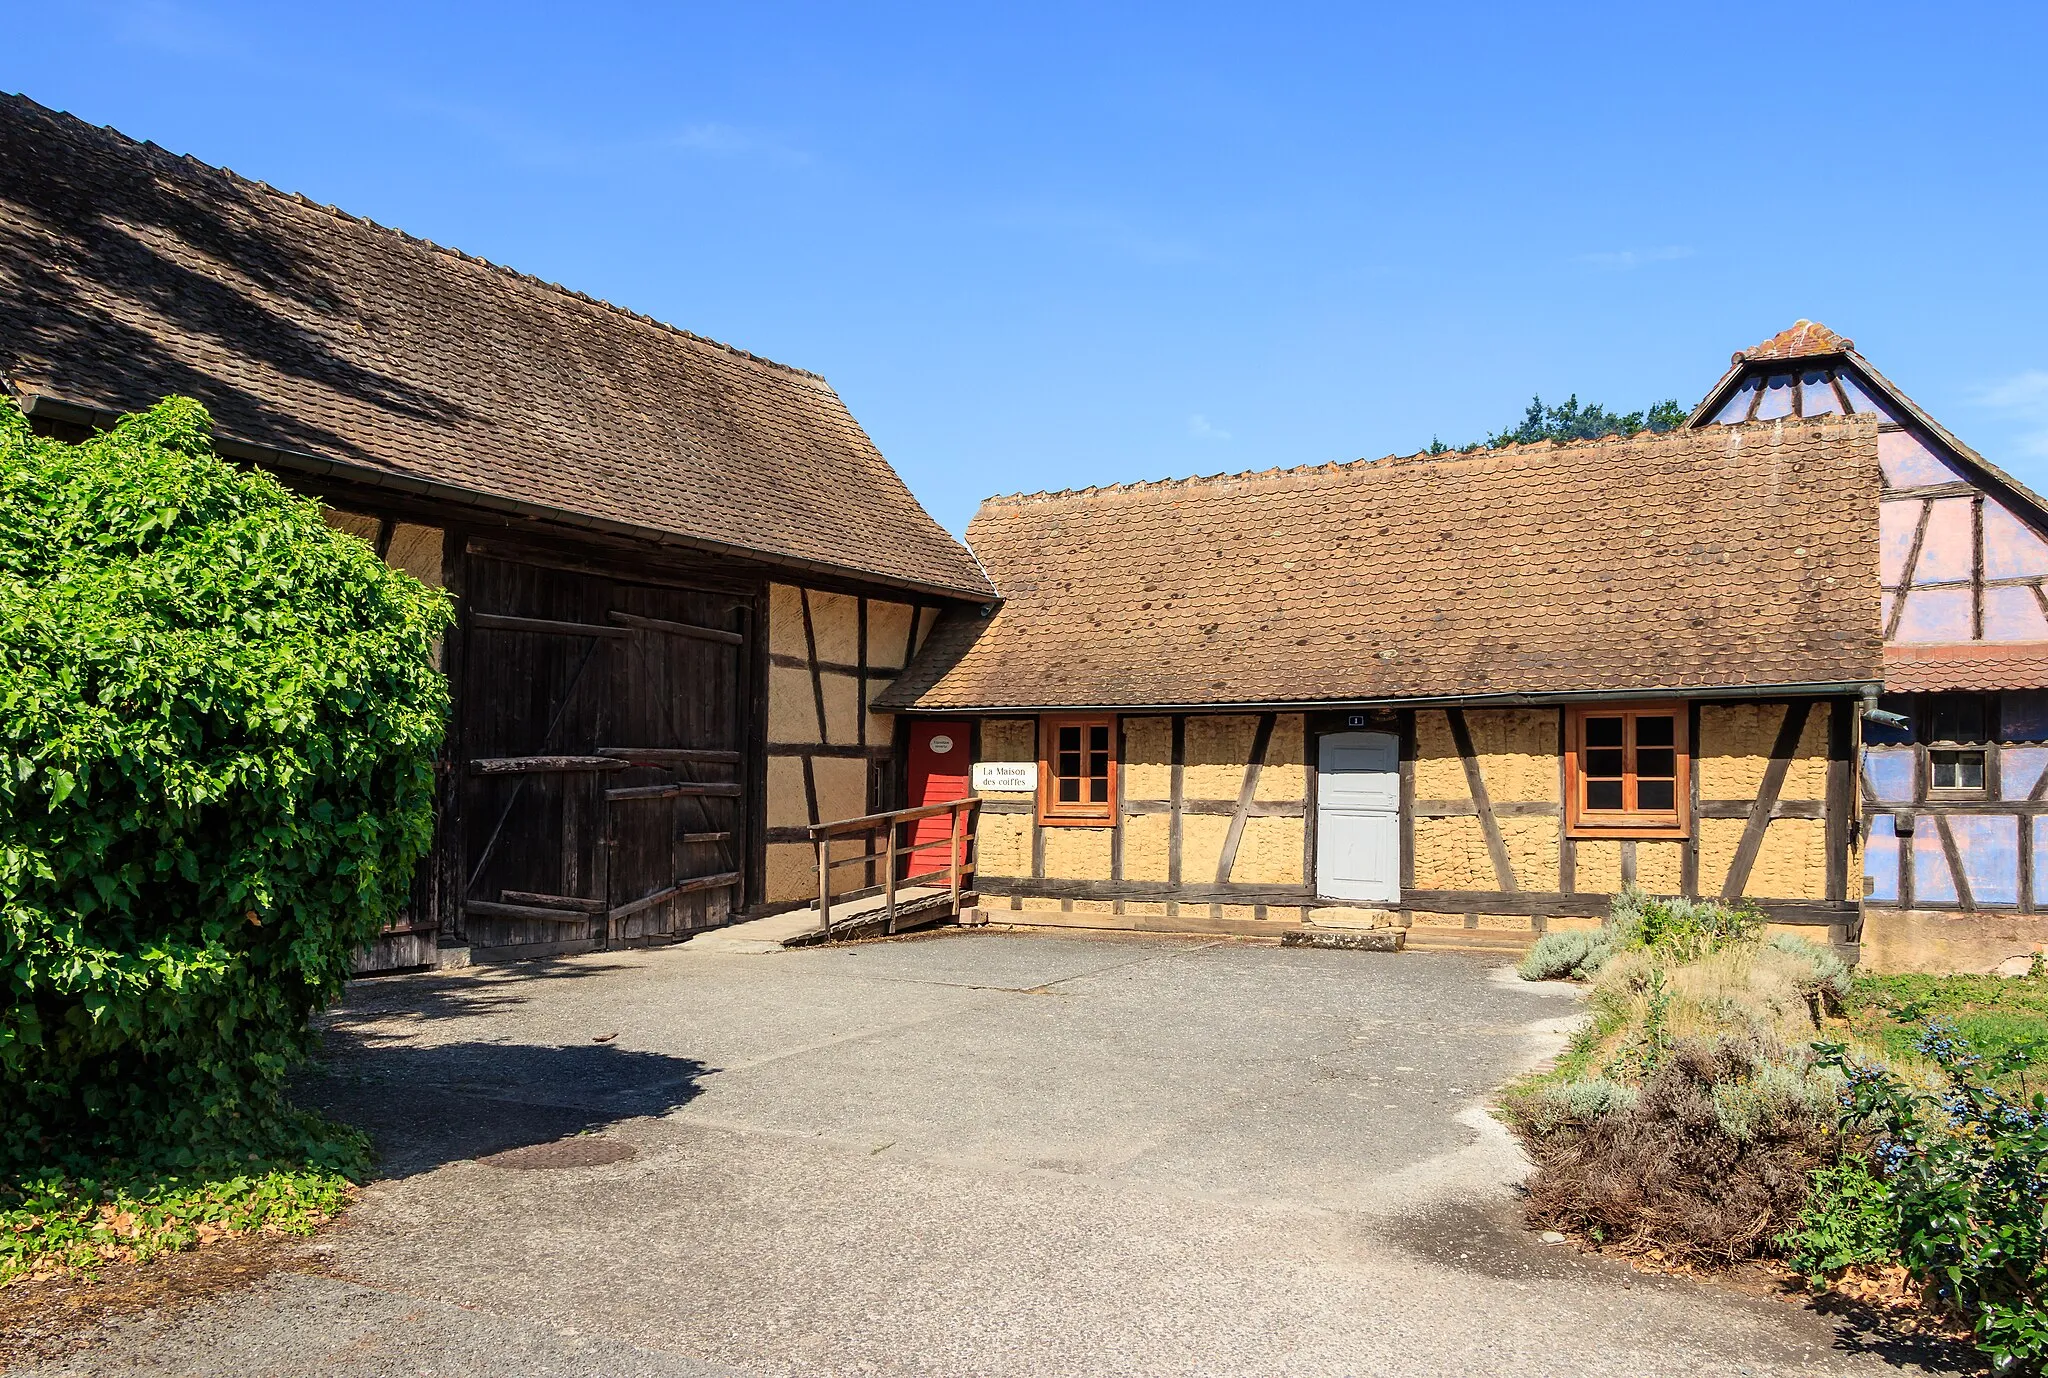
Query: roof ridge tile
column 1419, row 457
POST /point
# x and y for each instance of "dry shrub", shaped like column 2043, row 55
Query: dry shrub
column 1765, row 993
column 1707, row 1165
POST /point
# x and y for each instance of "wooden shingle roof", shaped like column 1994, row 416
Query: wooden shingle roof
column 1737, row 559
column 128, row 273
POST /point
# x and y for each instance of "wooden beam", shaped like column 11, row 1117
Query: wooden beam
column 1405, row 826
column 497, row 622
column 1957, row 875
column 662, row 757
column 1177, row 797
column 487, row 909
column 542, row 765
column 1496, row 845
column 1789, row 731
column 1741, row 808
column 1567, row 846
column 1461, row 808
column 689, row 629
column 706, row 837
column 1222, row 808
column 1891, row 623
column 1262, row 738
column 817, row 678
column 685, row 887
column 680, row 789
column 1689, row 853
column 1537, row 904
column 528, row 897
column 1841, row 790
column 1041, row 887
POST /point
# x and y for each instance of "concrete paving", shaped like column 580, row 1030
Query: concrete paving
column 970, row 1153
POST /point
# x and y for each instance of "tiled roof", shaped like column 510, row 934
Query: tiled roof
column 1740, row 556
column 1755, row 388
column 1978, row 665
column 1804, row 340
column 128, row 273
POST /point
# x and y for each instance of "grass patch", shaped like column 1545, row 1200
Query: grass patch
column 53, row 1225
column 1995, row 1015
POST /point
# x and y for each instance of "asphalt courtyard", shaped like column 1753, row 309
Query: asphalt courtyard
column 974, row 1153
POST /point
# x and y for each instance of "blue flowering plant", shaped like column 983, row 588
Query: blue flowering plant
column 1964, row 1169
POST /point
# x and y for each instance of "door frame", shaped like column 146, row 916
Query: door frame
column 1398, row 732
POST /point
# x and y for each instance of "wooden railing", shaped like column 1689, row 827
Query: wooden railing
column 895, row 856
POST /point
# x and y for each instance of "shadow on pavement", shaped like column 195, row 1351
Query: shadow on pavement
column 425, row 1105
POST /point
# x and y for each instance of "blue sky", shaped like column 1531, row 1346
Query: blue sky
column 1046, row 246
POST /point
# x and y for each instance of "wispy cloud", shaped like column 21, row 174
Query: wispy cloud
column 2024, row 397
column 1628, row 260
column 1200, row 428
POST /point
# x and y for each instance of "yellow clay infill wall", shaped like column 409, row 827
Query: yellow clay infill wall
column 1518, row 754
column 1216, row 756
column 829, row 655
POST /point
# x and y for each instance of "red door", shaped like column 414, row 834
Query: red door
column 939, row 760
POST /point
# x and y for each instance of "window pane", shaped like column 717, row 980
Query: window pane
column 1958, row 718
column 1098, row 765
column 1958, row 769
column 1098, row 790
column 1070, row 739
column 1603, row 794
column 1070, row 790
column 1655, row 732
column 1603, row 732
column 1659, row 762
column 1605, row 762
column 1098, row 739
column 1656, row 796
column 1070, row 764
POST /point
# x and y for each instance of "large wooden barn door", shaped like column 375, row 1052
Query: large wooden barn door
column 603, row 727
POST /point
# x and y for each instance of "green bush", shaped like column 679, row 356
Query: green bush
column 1848, row 1219
column 1965, row 1175
column 1571, row 954
column 1683, row 929
column 53, row 1224
column 218, row 719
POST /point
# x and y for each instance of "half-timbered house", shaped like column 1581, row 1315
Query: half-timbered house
column 1955, row 788
column 1469, row 695
column 683, row 571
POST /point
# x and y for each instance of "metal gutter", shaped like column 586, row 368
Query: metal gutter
column 1838, row 689
column 77, row 413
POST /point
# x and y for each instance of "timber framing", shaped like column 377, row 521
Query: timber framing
column 1520, row 897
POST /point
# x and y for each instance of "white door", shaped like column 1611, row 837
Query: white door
column 1358, row 817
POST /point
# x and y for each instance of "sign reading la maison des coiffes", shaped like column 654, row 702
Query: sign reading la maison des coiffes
column 1001, row 776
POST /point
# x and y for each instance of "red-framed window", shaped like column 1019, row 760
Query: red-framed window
column 1628, row 770
column 1077, row 770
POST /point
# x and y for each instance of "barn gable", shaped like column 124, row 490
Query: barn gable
column 1963, row 546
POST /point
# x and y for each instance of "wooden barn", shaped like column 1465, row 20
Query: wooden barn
column 1471, row 696
column 683, row 571
column 1956, row 789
